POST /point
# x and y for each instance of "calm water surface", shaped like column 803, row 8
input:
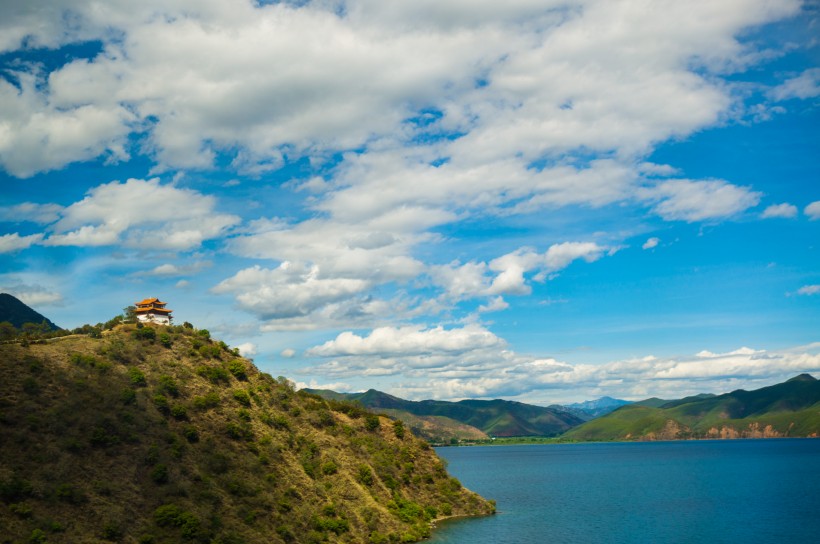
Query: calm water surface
column 744, row 491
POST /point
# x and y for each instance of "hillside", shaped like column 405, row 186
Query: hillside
column 159, row 435
column 789, row 409
column 17, row 313
column 500, row 418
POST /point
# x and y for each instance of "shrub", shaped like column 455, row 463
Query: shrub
column 210, row 400
column 241, row 396
column 329, row 467
column 167, row 384
column 204, row 333
column 145, row 333
column 165, row 340
column 128, row 396
column 136, row 376
column 178, row 411
column 171, row 515
column 365, row 475
column 191, row 434
column 159, row 474
column 371, row 422
column 398, row 429
column 214, row 374
column 161, row 402
column 238, row 369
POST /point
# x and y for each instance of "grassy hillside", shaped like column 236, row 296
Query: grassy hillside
column 161, row 435
column 500, row 418
column 791, row 408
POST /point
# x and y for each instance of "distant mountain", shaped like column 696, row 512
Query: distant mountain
column 591, row 409
column 791, row 409
column 17, row 313
column 501, row 418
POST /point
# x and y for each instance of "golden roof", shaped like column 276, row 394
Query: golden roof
column 146, row 310
column 150, row 301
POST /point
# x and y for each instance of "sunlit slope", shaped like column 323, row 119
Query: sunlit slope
column 164, row 435
column 790, row 409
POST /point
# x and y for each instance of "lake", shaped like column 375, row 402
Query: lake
column 732, row 491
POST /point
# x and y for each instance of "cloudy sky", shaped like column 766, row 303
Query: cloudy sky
column 540, row 200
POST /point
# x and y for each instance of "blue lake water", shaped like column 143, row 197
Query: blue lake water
column 739, row 491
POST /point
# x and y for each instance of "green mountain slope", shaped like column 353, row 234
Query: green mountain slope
column 791, row 408
column 501, row 418
column 17, row 313
column 159, row 435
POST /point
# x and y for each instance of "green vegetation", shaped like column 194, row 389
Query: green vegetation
column 787, row 409
column 444, row 422
column 139, row 437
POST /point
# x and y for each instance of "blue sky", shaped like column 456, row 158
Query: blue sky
column 546, row 201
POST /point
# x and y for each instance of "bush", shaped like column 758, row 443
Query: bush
column 214, row 374
column 145, row 333
column 210, row 400
column 365, row 475
column 371, row 422
column 165, row 340
column 398, row 429
column 179, row 411
column 137, row 377
column 171, row 515
column 167, row 384
column 238, row 369
column 191, row 434
column 159, row 474
column 241, row 396
column 161, row 402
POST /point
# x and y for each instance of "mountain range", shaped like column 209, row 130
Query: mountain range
column 789, row 409
column 442, row 421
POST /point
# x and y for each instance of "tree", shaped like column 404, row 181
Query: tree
column 129, row 313
column 7, row 331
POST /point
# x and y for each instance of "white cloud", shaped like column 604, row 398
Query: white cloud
column 780, row 210
column 41, row 214
column 289, row 291
column 15, row 242
column 813, row 210
column 409, row 341
column 170, row 270
column 247, row 349
column 688, row 200
column 806, row 85
column 809, row 290
column 140, row 214
column 651, row 243
column 288, row 353
column 495, row 305
column 33, row 295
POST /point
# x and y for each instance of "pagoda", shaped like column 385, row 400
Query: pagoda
column 152, row 310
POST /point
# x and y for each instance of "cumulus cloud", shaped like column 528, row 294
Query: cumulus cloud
column 784, row 210
column 41, row 214
column 288, row 291
column 809, row 290
column 408, row 341
column 688, row 200
column 247, row 349
column 453, row 365
column 33, row 295
column 651, row 243
column 15, row 242
column 806, row 85
column 143, row 214
column 813, row 210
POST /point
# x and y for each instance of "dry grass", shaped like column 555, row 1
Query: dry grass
column 123, row 439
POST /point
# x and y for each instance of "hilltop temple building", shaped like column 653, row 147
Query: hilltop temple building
column 152, row 310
